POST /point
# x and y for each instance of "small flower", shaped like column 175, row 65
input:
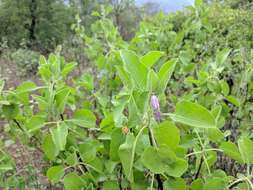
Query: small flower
column 154, row 102
column 157, row 115
column 125, row 130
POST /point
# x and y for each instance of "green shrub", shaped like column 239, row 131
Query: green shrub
column 26, row 61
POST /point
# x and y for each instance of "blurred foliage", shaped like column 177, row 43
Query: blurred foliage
column 41, row 24
column 26, row 61
column 195, row 63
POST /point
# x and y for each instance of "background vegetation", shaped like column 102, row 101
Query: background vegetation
column 125, row 83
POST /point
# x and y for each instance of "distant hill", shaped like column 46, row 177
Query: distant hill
column 167, row 5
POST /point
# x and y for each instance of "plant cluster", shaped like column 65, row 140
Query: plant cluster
column 171, row 109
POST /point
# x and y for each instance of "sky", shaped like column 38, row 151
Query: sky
column 168, row 5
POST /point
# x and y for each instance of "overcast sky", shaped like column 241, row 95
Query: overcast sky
column 168, row 5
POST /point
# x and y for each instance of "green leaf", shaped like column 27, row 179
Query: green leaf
column 245, row 148
column 24, row 89
column 84, row 118
column 175, row 184
column 151, row 58
column 55, row 173
column 163, row 160
column 233, row 100
column 214, row 134
column 110, row 185
column 59, row 135
column 6, row 167
column 125, row 154
column 231, row 150
column 42, row 60
column 168, row 134
column 27, row 86
column 88, row 151
column 165, row 73
column 117, row 138
column 124, row 77
column 216, row 183
column 224, row 87
column 198, row 3
column 74, row 182
column 222, row 56
column 216, row 112
column 10, row 111
column 35, row 123
column 61, row 98
column 49, row 148
column 153, row 80
column 135, row 68
column 97, row 165
column 194, row 115
column 72, row 159
column 138, row 104
column 67, row 69
column 197, row 185
column 87, row 81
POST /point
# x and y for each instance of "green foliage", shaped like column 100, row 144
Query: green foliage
column 38, row 23
column 99, row 130
column 26, row 61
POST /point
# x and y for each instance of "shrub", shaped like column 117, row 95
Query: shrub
column 26, row 61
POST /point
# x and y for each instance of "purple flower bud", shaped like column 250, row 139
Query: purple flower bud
column 154, row 102
column 157, row 115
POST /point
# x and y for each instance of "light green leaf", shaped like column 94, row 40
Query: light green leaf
column 59, row 135
column 72, row 159
column 6, row 167
column 222, row 56
column 165, row 73
column 88, row 151
column 125, row 154
column 61, row 98
column 153, row 80
column 35, row 123
column 163, row 160
column 214, row 134
column 175, row 184
column 233, row 100
column 245, row 148
column 197, row 185
column 194, row 115
column 135, row 68
column 110, row 185
column 224, row 87
column 42, row 60
column 49, row 148
column 68, row 68
column 216, row 183
column 124, row 77
column 168, row 134
column 27, row 86
column 151, row 58
column 10, row 111
column 117, row 138
column 231, row 150
column 55, row 173
column 74, row 182
column 216, row 112
column 198, row 3
column 84, row 118
column 87, row 81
